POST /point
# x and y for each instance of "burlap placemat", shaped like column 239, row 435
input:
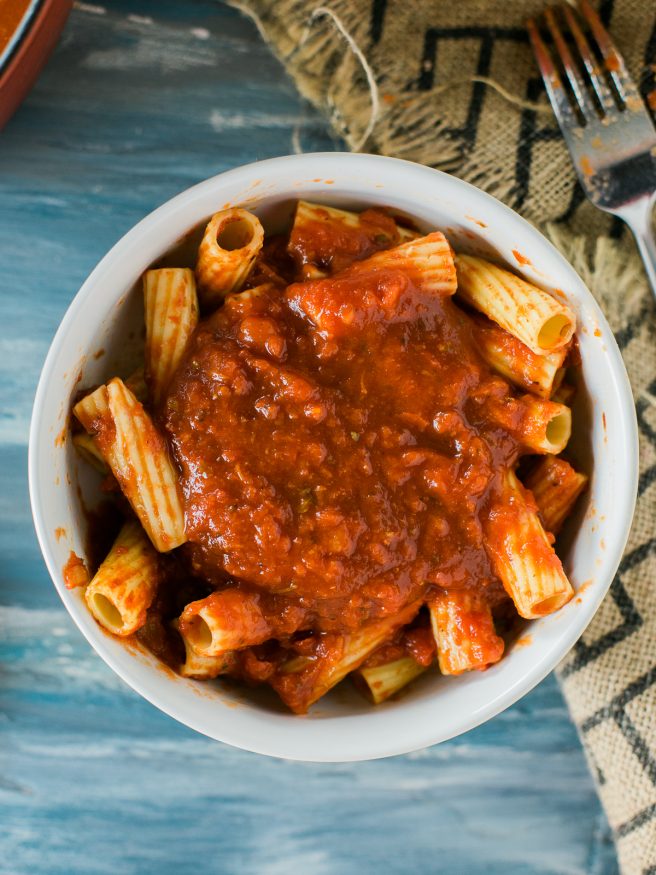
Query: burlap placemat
column 454, row 85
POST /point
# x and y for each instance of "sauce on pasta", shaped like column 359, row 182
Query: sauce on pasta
column 322, row 478
column 335, row 449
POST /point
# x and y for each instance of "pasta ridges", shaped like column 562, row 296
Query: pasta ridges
column 171, row 308
column 519, row 307
column 344, row 452
column 521, row 554
column 124, row 586
column 232, row 240
column 555, row 487
column 464, row 631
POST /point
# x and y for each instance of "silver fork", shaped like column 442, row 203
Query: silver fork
column 606, row 126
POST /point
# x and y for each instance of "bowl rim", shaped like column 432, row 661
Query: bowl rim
column 372, row 747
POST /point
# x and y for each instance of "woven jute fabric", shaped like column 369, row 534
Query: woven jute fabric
column 454, row 85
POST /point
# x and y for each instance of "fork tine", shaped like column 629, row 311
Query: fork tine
column 602, row 90
column 555, row 90
column 575, row 79
column 614, row 61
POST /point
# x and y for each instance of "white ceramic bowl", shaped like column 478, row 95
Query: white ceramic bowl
column 105, row 315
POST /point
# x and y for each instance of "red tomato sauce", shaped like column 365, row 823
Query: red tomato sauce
column 416, row 642
column 335, row 451
column 334, row 245
column 75, row 572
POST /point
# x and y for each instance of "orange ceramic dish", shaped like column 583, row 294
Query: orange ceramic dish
column 25, row 60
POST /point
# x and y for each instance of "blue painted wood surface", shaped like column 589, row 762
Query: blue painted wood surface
column 141, row 100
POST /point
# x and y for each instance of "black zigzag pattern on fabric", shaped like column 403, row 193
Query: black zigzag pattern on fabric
column 646, row 479
column 639, row 820
column 377, row 21
column 625, row 335
column 631, row 618
column 642, row 405
column 530, row 135
column 487, row 37
column 615, row 711
column 616, row 706
column 638, row 745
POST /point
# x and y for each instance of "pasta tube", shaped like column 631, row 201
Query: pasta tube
column 230, row 245
column 93, row 410
column 527, row 312
column 547, row 426
column 246, row 301
column 521, row 554
column 542, row 426
column 302, row 679
column 86, row 447
column 407, row 233
column 427, row 261
column 171, row 309
column 125, row 584
column 330, row 238
column 464, row 631
column 84, row 443
column 312, row 272
column 227, row 620
column 382, row 229
column 555, row 486
column 203, row 668
column 383, row 681
column 512, row 359
column 137, row 456
column 308, row 214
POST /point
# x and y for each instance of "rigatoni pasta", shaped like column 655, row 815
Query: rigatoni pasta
column 388, row 678
column 302, row 680
column 464, row 631
column 426, row 261
column 171, row 311
column 138, row 458
column 142, row 467
column 326, row 238
column 540, row 374
column 336, row 445
column 232, row 240
column 522, row 556
column 93, row 410
column 542, row 426
column 226, row 620
column 555, row 486
column 125, row 585
column 203, row 668
column 532, row 315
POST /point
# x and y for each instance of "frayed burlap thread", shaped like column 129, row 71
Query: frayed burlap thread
column 454, row 86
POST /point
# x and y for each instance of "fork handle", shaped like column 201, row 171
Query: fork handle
column 638, row 216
